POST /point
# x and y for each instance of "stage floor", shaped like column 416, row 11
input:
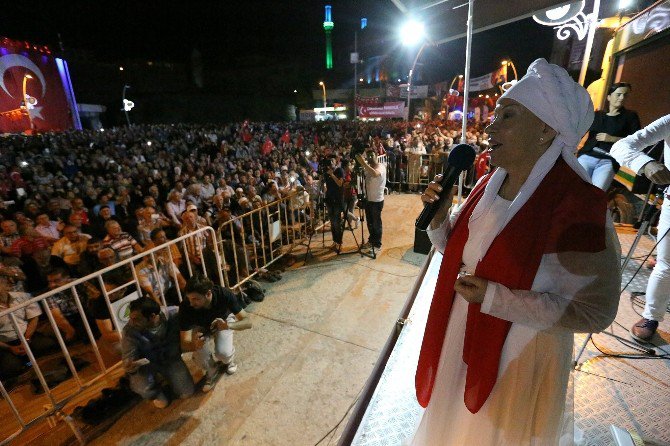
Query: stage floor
column 629, row 393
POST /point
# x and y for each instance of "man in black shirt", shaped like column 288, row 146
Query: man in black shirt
column 207, row 316
column 334, row 177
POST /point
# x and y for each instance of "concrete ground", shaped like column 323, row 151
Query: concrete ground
column 314, row 342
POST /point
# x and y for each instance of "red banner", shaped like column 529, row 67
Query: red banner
column 388, row 110
column 32, row 94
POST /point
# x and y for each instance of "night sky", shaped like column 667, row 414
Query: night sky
column 230, row 33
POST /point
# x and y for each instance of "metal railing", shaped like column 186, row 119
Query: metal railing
column 250, row 242
column 415, row 171
column 153, row 261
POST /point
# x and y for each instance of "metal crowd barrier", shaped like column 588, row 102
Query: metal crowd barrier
column 413, row 171
column 407, row 170
column 56, row 401
column 253, row 241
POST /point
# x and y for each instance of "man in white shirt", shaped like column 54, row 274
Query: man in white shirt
column 47, row 228
column 628, row 152
column 375, row 182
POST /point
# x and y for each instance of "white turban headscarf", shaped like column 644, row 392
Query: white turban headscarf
column 549, row 92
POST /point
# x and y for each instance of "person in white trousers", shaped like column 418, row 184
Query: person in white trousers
column 628, row 152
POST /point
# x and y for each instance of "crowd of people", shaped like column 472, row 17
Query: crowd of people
column 72, row 203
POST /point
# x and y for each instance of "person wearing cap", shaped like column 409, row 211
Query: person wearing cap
column 530, row 258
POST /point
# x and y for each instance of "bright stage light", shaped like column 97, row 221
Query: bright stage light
column 23, row 163
column 149, row 143
column 412, row 32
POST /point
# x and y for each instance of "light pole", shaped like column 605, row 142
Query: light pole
column 412, row 33
column 125, row 107
column 25, row 100
column 507, row 64
column 323, row 87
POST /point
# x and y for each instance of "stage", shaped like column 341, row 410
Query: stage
column 629, row 393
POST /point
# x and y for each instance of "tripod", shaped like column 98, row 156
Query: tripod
column 362, row 199
column 643, row 223
column 320, row 207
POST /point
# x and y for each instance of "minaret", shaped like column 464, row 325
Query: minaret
column 328, row 27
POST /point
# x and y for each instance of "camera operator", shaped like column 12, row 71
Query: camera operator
column 334, row 178
column 375, row 181
column 628, row 152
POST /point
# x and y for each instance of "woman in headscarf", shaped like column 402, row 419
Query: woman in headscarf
column 529, row 259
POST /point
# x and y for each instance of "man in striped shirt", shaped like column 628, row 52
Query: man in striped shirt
column 121, row 242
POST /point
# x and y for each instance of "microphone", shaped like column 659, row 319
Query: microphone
column 460, row 158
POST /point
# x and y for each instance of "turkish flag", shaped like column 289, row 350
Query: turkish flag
column 267, row 147
column 482, row 164
column 286, row 137
column 44, row 101
column 300, row 141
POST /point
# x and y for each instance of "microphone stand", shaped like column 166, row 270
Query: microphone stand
column 643, row 223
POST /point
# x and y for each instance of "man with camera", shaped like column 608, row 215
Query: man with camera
column 208, row 317
column 375, row 181
column 334, row 180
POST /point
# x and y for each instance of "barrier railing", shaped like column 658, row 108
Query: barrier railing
column 414, row 171
column 156, row 265
column 254, row 240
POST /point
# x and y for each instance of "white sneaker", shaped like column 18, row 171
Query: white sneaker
column 231, row 368
column 161, row 401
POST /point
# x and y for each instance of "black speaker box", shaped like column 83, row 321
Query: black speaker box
column 422, row 243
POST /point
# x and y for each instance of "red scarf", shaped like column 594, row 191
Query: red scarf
column 564, row 214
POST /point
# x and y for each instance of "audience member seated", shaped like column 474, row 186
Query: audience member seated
column 121, row 242
column 99, row 222
column 64, row 309
column 28, row 242
column 13, row 358
column 49, row 229
column 163, row 278
column 70, row 247
column 9, row 235
column 37, row 266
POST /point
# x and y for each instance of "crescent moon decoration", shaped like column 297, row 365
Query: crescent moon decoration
column 16, row 60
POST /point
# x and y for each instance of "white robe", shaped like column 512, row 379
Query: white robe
column 570, row 293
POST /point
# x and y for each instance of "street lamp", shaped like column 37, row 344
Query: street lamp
column 507, row 64
column 412, row 33
column 25, row 100
column 323, row 87
column 126, row 104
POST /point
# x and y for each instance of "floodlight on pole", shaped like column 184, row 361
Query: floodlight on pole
column 323, row 87
column 127, row 105
column 412, row 32
column 625, row 4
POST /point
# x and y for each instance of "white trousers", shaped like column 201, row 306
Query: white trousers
column 658, row 287
column 217, row 347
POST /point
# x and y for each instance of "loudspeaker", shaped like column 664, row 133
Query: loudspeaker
column 422, row 243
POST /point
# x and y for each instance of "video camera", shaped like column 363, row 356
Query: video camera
column 325, row 164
